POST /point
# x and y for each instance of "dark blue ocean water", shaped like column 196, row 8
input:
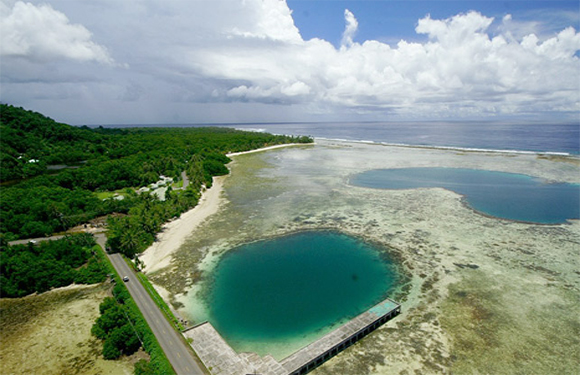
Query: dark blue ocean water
column 270, row 291
column 505, row 195
column 558, row 138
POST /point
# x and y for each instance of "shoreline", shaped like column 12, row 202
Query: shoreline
column 174, row 233
column 470, row 278
column 268, row 148
column 453, row 148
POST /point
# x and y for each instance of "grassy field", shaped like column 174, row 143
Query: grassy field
column 50, row 333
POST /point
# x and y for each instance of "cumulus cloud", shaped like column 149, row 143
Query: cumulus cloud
column 249, row 54
column 271, row 20
column 461, row 70
column 40, row 34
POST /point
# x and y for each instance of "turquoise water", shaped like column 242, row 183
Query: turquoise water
column 504, row 195
column 276, row 290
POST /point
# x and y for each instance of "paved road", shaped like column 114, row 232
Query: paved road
column 38, row 239
column 175, row 348
column 185, row 180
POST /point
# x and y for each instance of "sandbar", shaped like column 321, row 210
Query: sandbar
column 267, row 148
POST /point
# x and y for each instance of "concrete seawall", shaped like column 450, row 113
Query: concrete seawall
column 221, row 359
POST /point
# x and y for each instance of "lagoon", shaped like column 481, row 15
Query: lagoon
column 505, row 195
column 278, row 290
column 522, row 295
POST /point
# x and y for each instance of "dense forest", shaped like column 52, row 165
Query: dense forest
column 52, row 174
column 25, row 269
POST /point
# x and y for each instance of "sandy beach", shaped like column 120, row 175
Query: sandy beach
column 266, row 149
column 174, row 233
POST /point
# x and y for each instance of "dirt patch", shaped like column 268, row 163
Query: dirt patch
column 50, row 333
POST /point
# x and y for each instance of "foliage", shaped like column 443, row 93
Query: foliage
column 36, row 211
column 28, row 135
column 143, row 367
column 116, row 329
column 25, row 269
column 38, row 203
column 120, row 313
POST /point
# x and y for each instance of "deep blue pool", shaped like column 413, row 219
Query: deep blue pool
column 504, row 195
column 275, row 290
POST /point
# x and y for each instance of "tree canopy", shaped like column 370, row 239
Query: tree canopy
column 51, row 174
column 25, row 269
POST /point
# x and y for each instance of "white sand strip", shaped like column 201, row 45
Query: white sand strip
column 268, row 148
column 174, row 233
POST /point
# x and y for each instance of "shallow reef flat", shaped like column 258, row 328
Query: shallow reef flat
column 482, row 294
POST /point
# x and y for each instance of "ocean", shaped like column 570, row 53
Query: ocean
column 298, row 190
column 543, row 138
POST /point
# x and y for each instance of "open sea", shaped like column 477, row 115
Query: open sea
column 545, row 138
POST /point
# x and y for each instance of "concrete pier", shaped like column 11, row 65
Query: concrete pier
column 221, row 359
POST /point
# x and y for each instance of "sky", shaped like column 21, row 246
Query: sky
column 244, row 61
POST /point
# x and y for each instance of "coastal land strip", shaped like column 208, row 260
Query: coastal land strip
column 482, row 294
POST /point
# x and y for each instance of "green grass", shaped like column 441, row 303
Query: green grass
column 102, row 195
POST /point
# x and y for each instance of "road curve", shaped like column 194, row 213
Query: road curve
column 176, row 350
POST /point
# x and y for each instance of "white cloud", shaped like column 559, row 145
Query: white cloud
column 271, row 20
column 350, row 29
column 40, row 33
column 462, row 70
column 250, row 54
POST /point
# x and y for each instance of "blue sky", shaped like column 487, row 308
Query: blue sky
column 390, row 21
column 199, row 61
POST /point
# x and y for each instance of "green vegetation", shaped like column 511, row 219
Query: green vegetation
column 31, row 142
column 102, row 195
column 123, row 330
column 114, row 327
column 35, row 203
column 25, row 269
